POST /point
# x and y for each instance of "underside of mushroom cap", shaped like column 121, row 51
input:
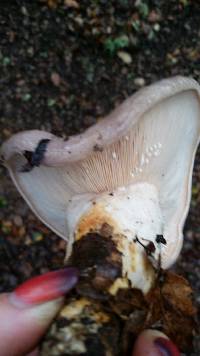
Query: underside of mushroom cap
column 152, row 137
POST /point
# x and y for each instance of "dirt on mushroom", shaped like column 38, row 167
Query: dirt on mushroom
column 113, row 316
column 81, row 46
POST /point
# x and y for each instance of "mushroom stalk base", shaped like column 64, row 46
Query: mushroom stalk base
column 104, row 314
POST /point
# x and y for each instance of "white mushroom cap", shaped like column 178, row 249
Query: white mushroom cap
column 152, row 137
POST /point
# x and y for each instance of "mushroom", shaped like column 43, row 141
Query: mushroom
column 129, row 174
column 132, row 170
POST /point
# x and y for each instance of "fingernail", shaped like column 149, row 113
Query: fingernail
column 46, row 287
column 166, row 347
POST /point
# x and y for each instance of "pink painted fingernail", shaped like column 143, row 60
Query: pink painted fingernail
column 46, row 287
column 166, row 347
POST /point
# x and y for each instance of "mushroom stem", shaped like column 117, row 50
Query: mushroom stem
column 114, row 236
column 119, row 292
column 129, row 216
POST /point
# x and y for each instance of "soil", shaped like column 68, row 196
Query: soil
column 63, row 66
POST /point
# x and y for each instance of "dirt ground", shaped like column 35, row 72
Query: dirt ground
column 63, row 66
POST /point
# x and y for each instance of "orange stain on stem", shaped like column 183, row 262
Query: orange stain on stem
column 93, row 222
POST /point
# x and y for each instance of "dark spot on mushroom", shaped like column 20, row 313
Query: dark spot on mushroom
column 149, row 248
column 26, row 168
column 35, row 158
column 99, row 263
column 111, row 194
column 94, row 202
column 69, row 152
column 97, row 148
column 161, row 239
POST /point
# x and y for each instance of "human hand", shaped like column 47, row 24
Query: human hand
column 26, row 314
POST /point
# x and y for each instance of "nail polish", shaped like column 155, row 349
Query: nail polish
column 166, row 347
column 46, row 287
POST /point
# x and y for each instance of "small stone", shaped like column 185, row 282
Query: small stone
column 154, row 16
column 30, row 51
column 24, row 11
column 156, row 27
column 140, row 82
column 18, row 220
column 51, row 102
column 79, row 20
column 28, row 241
column 6, row 61
column 71, row 3
column 55, row 78
column 125, row 57
column 20, row 82
column 26, row 97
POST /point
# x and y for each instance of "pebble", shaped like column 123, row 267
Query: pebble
column 18, row 220
column 140, row 82
column 55, row 78
column 71, row 3
column 125, row 57
column 28, row 241
column 154, row 16
column 156, row 27
column 24, row 11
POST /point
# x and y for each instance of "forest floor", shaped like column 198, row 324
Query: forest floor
column 64, row 65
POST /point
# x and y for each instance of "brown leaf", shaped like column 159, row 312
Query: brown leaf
column 171, row 309
column 177, row 291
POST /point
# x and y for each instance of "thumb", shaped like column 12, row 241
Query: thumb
column 26, row 313
column 154, row 343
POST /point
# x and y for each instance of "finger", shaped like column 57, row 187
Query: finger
column 154, row 343
column 26, row 313
column 33, row 353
